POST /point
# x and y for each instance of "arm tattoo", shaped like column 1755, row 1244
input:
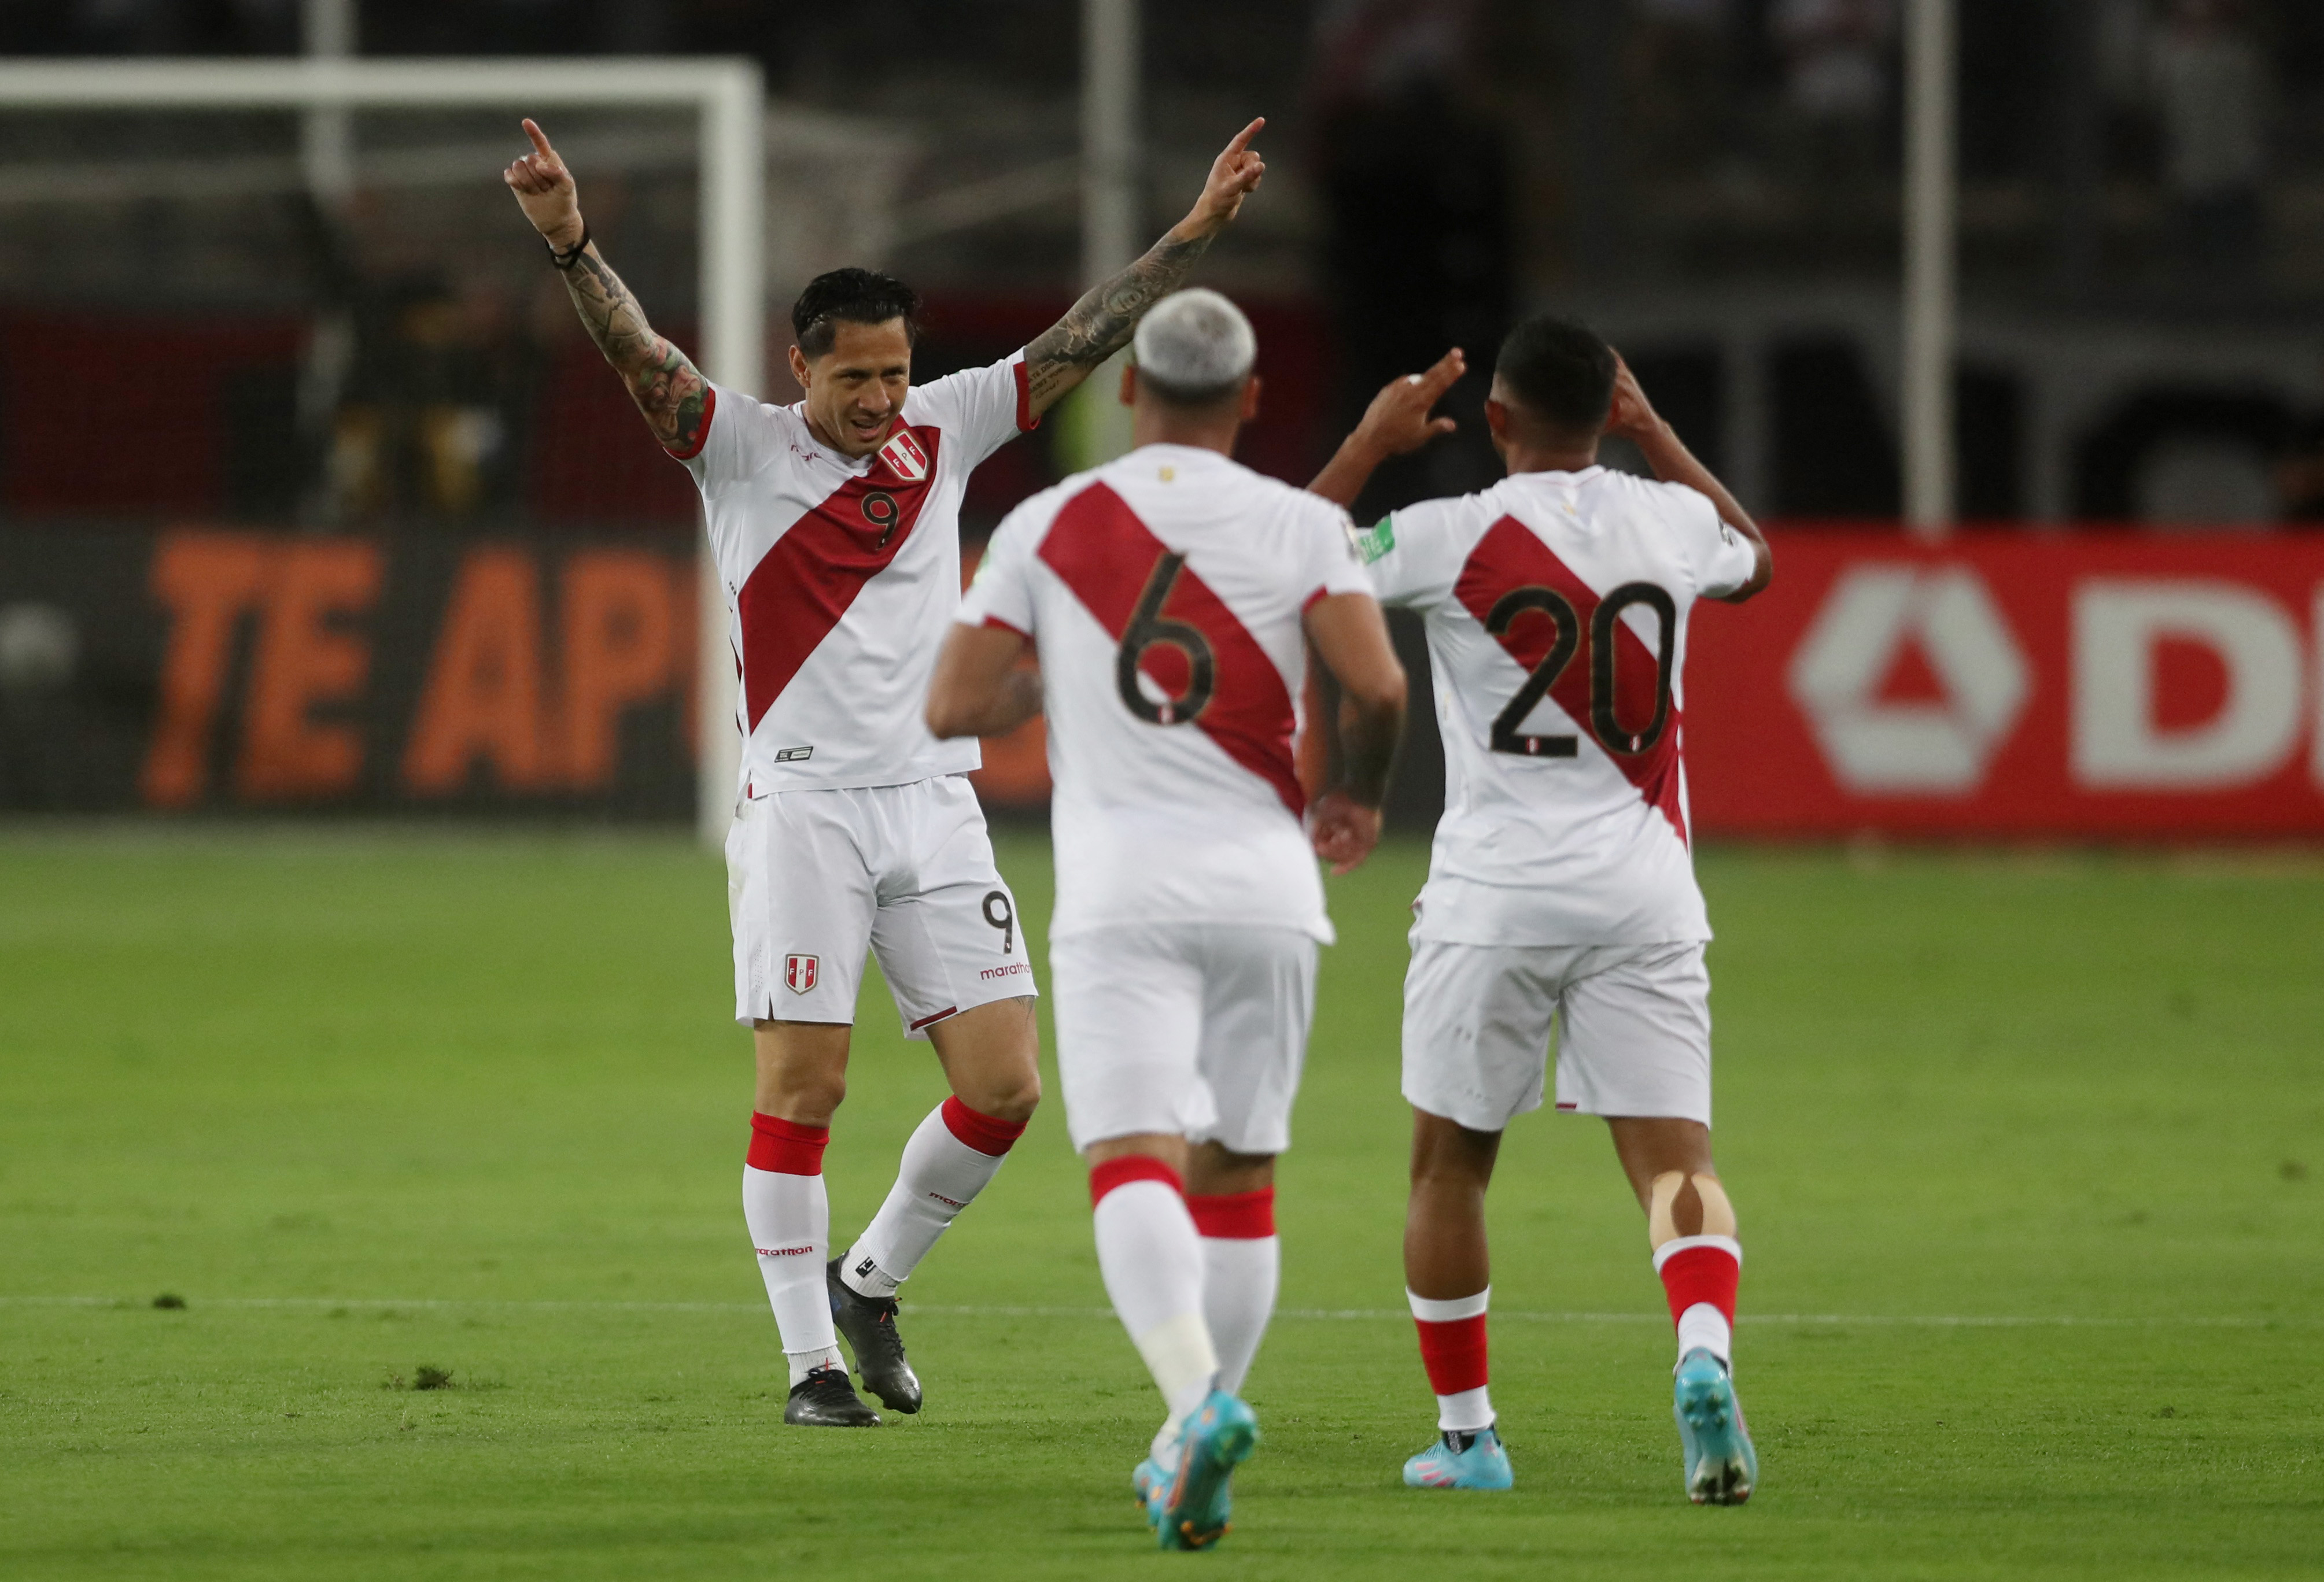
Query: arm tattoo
column 662, row 380
column 1101, row 324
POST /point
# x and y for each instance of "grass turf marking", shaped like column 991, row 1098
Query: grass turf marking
column 1372, row 1314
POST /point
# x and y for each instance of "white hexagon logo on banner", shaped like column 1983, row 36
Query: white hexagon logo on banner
column 1887, row 745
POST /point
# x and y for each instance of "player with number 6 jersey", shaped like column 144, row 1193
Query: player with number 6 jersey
column 1560, row 889
column 1172, row 594
column 835, row 526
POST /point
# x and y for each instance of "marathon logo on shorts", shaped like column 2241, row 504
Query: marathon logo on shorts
column 799, row 974
column 1010, row 970
column 904, row 456
column 949, row 1202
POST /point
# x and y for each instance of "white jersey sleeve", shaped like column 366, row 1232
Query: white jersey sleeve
column 1335, row 554
column 1721, row 559
column 1412, row 559
column 979, row 409
column 1003, row 592
column 738, row 432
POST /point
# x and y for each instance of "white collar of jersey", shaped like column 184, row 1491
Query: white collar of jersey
column 852, row 463
column 1178, row 455
column 1584, row 476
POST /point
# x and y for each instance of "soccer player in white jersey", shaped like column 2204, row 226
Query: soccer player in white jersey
column 1561, row 886
column 1171, row 595
column 834, row 523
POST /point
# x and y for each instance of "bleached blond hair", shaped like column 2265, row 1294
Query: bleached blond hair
column 1194, row 347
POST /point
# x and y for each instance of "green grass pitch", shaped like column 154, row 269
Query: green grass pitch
column 2027, row 1149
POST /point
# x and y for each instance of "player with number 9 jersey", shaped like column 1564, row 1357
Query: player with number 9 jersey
column 834, row 529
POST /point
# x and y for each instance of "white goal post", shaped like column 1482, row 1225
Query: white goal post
column 728, row 96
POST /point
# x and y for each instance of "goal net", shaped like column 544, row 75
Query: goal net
column 313, row 495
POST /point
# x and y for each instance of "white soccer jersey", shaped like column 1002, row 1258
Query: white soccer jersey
column 1165, row 592
column 840, row 574
column 1556, row 607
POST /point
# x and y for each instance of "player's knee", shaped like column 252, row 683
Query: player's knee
column 1683, row 1204
column 1447, row 1154
column 802, row 1098
column 1013, row 1099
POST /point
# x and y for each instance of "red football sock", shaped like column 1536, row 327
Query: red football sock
column 1453, row 1350
column 1700, row 1274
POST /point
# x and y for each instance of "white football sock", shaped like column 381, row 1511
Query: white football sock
column 1705, row 1327
column 1239, row 1277
column 789, row 1216
column 951, row 1155
column 1152, row 1262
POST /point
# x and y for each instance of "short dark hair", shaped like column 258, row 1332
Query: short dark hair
column 1560, row 370
column 850, row 296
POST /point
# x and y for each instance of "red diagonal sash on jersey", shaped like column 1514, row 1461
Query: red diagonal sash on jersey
column 1104, row 554
column 803, row 586
column 1511, row 556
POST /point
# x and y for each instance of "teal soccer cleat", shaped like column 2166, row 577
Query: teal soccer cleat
column 1151, row 1479
column 1219, row 1437
column 1462, row 1460
column 1722, row 1467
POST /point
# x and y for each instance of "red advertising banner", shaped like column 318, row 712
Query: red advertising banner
column 2020, row 685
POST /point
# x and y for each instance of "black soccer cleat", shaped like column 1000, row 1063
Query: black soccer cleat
column 824, row 1399
column 869, row 1325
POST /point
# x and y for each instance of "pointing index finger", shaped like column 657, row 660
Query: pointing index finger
column 1242, row 139
column 540, row 138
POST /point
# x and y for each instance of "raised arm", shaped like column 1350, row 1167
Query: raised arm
column 1635, row 418
column 669, row 390
column 1397, row 422
column 1102, row 323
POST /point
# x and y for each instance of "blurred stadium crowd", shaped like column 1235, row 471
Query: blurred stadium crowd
column 321, row 496
column 1713, row 181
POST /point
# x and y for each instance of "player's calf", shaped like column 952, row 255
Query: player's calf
column 1151, row 1258
column 1700, row 1271
column 952, row 1156
column 1232, row 1198
column 789, row 1216
column 1468, row 1453
column 1444, row 1253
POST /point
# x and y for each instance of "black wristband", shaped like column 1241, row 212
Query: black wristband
column 567, row 260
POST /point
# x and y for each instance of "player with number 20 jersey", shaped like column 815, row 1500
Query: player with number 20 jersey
column 1560, row 889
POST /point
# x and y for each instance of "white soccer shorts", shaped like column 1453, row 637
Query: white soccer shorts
column 1189, row 1029
column 1633, row 1030
column 815, row 878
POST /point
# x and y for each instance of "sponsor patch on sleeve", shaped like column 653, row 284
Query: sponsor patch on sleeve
column 1375, row 540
